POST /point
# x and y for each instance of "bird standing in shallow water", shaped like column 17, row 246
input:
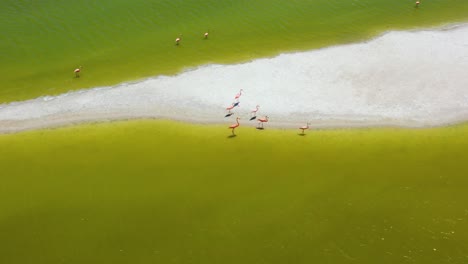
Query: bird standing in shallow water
column 77, row 72
column 177, row 40
column 234, row 126
column 304, row 128
column 229, row 108
column 254, row 111
column 239, row 94
column 261, row 121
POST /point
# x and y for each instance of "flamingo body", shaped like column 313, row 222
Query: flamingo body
column 239, row 94
column 77, row 72
column 234, row 126
column 262, row 120
column 254, row 111
column 304, row 127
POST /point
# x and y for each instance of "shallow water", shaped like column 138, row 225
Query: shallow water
column 120, row 40
column 166, row 192
column 139, row 192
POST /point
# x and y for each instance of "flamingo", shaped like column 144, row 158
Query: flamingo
column 177, row 40
column 239, row 94
column 254, row 111
column 304, row 127
column 261, row 121
column 77, row 71
column 229, row 108
column 234, row 126
column 206, row 35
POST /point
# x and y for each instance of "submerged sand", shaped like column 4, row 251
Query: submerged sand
column 402, row 78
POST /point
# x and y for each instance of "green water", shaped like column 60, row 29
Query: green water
column 42, row 42
column 166, row 192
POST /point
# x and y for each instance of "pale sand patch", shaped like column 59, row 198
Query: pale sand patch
column 402, row 78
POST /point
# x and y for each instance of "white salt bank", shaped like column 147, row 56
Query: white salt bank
column 412, row 78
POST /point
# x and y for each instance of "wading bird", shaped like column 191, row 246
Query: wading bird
column 234, row 126
column 239, row 94
column 253, row 113
column 261, row 121
column 304, row 127
column 77, row 72
column 229, row 108
column 177, row 40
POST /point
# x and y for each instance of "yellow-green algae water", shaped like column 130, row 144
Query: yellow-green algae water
column 168, row 192
column 42, row 42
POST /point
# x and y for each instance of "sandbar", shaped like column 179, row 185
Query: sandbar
column 414, row 78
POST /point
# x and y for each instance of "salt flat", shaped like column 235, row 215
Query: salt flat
column 401, row 78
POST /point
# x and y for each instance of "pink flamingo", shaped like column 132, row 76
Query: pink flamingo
column 304, row 127
column 261, row 121
column 229, row 108
column 234, row 126
column 77, row 72
column 239, row 94
column 254, row 111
